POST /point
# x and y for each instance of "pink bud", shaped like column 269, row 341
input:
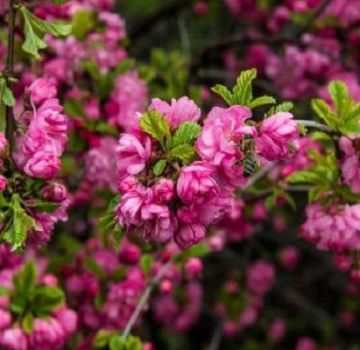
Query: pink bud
column 193, row 267
column 3, row 183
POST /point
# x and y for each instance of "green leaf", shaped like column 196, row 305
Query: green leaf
column 20, row 224
column 133, row 343
column 159, row 167
column 59, row 2
column 185, row 153
column 35, row 28
column 323, row 111
column 93, row 267
column 242, row 92
column 44, row 206
column 46, row 299
column 24, row 281
column 117, row 343
column 303, row 177
column 186, row 134
column 102, row 339
column 146, row 263
column 28, row 322
column 82, row 23
column 157, row 127
column 196, row 251
column 224, row 92
column 340, row 96
column 284, row 107
column 260, row 101
column 8, row 97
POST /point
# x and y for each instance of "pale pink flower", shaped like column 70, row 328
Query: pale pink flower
column 68, row 319
column 13, row 339
column 3, row 144
column 178, row 112
column 5, row 319
column 276, row 135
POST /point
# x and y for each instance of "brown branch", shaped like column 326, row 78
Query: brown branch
column 9, row 72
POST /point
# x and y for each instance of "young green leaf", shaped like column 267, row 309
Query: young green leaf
column 261, row 101
column 340, row 96
column 8, row 97
column 28, row 322
column 323, row 111
column 186, row 134
column 242, row 92
column 47, row 299
column 157, row 127
column 224, row 92
column 185, row 153
column 159, row 167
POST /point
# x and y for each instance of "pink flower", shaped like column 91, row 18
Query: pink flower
column 47, row 334
column 13, row 339
column 305, row 343
column 277, row 330
column 219, row 141
column 163, row 191
column 335, row 228
column 68, row 320
column 3, row 183
column 275, row 136
column 196, row 184
column 3, row 144
column 127, row 100
column 133, row 154
column 260, row 277
column 43, row 165
column 350, row 166
column 179, row 111
column 159, row 223
column 188, row 235
column 41, row 89
column 55, row 192
column 5, row 319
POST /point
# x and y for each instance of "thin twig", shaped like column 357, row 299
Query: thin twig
column 258, row 175
column 216, row 338
column 9, row 72
column 316, row 125
column 145, row 297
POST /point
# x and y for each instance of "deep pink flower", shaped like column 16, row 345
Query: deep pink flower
column 5, row 319
column 43, row 165
column 68, row 319
column 3, row 144
column 47, row 334
column 350, row 166
column 188, row 235
column 178, row 112
column 196, row 183
column 41, row 89
column 163, row 191
column 3, row 183
column 260, row 277
column 276, row 135
column 55, row 192
column 132, row 154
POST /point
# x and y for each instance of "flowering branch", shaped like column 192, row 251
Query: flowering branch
column 145, row 297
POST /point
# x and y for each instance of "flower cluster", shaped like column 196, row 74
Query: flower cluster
column 196, row 189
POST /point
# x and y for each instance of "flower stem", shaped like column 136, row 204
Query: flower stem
column 316, row 125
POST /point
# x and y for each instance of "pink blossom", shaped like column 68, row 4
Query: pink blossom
column 3, row 144
column 196, row 183
column 41, row 89
column 219, row 141
column 275, row 136
column 277, row 330
column 188, row 235
column 289, row 258
column 55, row 192
column 133, row 154
column 3, row 183
column 193, row 268
column 163, row 191
column 43, row 165
column 68, row 319
column 178, row 112
column 260, row 277
column 47, row 334
column 305, row 343
column 5, row 319
column 336, row 227
column 350, row 165
column 128, row 99
column 13, row 339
